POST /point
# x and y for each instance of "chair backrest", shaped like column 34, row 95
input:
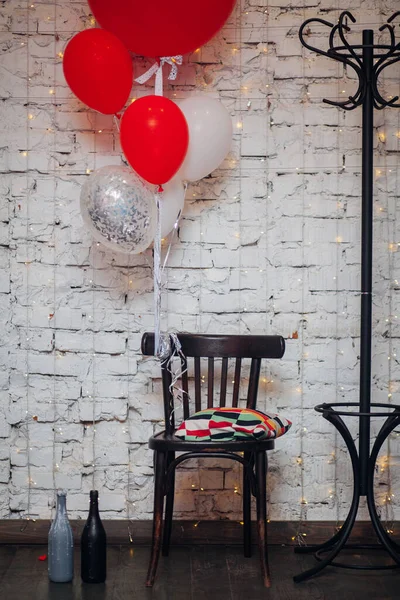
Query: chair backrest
column 211, row 347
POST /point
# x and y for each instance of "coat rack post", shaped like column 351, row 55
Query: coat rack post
column 366, row 260
column 368, row 60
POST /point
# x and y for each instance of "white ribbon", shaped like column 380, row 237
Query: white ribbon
column 157, row 69
column 173, row 234
column 161, row 341
column 177, row 373
column 157, row 275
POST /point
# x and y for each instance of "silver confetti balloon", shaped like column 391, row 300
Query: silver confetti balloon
column 119, row 209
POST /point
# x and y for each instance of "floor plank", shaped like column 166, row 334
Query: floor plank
column 173, row 580
column 210, row 576
column 7, row 554
column 195, row 573
column 245, row 576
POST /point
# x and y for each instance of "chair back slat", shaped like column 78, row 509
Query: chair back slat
column 197, row 384
column 210, row 392
column 236, row 382
column 224, row 379
column 185, row 388
column 253, row 382
column 232, row 346
column 225, row 347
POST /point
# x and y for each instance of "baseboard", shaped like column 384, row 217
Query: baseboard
column 13, row 531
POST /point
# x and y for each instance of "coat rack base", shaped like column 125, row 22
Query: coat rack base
column 326, row 553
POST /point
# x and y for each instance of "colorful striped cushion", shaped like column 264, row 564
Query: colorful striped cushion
column 226, row 424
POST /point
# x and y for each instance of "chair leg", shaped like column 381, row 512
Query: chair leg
column 261, row 498
column 159, row 484
column 169, row 508
column 246, row 508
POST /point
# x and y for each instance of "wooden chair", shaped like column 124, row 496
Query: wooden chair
column 166, row 444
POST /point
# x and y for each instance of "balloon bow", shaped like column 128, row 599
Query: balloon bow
column 157, row 69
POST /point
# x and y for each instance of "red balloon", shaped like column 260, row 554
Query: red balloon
column 154, row 138
column 162, row 28
column 98, row 69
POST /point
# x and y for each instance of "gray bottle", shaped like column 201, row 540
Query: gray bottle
column 61, row 544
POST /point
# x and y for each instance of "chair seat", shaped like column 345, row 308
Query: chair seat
column 166, row 442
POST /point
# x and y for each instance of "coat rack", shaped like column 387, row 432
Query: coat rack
column 368, row 60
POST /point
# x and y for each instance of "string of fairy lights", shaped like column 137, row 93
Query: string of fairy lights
column 393, row 383
column 301, row 534
column 196, row 487
column 25, row 423
column 126, row 425
column 93, row 323
column 385, row 462
column 243, row 104
column 339, row 296
column 30, row 418
column 390, row 233
column 266, row 380
column 264, row 238
column 391, row 223
column 242, row 308
column 53, row 321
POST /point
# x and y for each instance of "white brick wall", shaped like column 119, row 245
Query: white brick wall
column 268, row 244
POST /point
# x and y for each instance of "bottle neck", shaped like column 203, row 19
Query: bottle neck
column 61, row 505
column 94, row 508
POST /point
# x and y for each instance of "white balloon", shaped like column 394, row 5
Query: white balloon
column 172, row 202
column 210, row 136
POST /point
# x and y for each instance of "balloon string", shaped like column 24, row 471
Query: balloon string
column 174, row 233
column 157, row 275
column 116, row 121
column 158, row 269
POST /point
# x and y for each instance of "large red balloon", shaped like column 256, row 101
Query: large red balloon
column 154, row 138
column 98, row 69
column 162, row 28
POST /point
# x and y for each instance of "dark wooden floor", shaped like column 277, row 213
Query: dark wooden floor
column 191, row 573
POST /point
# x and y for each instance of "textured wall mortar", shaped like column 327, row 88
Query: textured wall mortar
column 268, row 244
